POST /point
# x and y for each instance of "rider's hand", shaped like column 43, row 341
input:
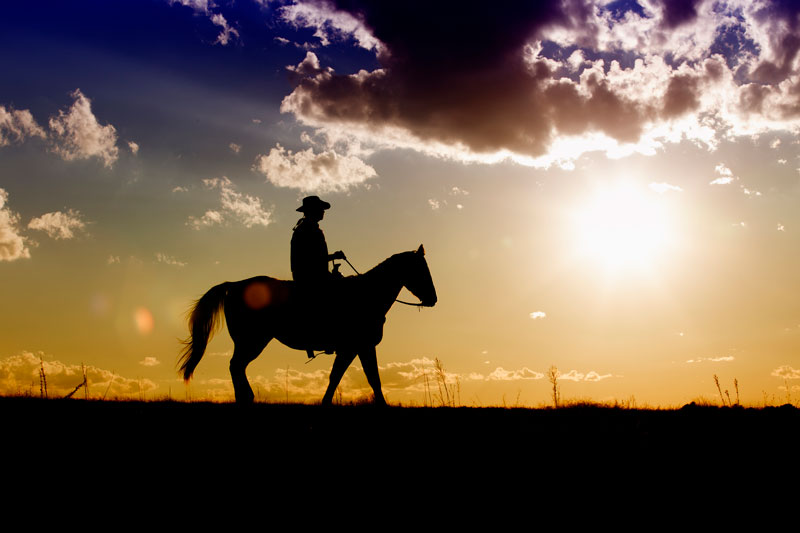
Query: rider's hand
column 339, row 255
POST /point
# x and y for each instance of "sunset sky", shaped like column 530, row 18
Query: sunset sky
column 608, row 187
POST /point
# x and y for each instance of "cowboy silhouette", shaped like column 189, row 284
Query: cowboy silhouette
column 309, row 259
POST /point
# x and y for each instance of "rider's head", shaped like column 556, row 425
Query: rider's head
column 313, row 207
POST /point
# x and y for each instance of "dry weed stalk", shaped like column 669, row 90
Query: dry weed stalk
column 445, row 395
column 42, row 379
column 722, row 398
column 736, row 386
column 552, row 376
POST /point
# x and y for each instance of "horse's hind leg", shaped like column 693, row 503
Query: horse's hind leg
column 243, row 355
column 340, row 364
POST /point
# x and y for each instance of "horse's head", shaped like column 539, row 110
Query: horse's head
column 417, row 278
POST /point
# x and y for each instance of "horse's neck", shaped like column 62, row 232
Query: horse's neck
column 384, row 284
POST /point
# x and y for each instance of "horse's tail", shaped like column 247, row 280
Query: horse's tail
column 204, row 321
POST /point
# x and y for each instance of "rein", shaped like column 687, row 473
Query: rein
column 396, row 300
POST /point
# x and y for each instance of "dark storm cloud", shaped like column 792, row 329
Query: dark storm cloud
column 677, row 12
column 474, row 77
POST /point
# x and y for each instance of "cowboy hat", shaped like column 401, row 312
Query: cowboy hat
column 312, row 203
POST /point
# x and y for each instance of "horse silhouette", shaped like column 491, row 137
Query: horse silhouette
column 260, row 309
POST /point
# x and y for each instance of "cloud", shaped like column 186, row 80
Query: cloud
column 169, row 260
column 134, row 148
column 13, row 246
column 237, row 206
column 591, row 376
column 326, row 171
column 149, row 361
column 204, row 7
column 726, row 175
column 236, row 148
column 198, row 5
column 501, row 374
column 546, row 81
column 330, row 23
column 434, row 204
column 59, row 225
column 18, row 125
column 77, row 134
column 721, row 359
column 538, row 314
column 786, row 372
column 19, row 374
column 661, row 188
column 226, row 33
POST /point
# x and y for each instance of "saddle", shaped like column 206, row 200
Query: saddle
column 326, row 316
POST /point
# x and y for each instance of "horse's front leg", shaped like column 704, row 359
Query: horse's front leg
column 340, row 364
column 369, row 360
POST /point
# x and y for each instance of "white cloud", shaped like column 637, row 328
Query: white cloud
column 59, row 225
column 18, row 124
column 180, row 189
column 236, row 206
column 780, row 227
column 78, row 135
column 661, row 188
column 134, row 148
column 786, row 372
column 236, row 148
column 434, row 204
column 721, row 359
column 726, row 175
column 198, row 5
column 310, row 172
column 501, row 374
column 775, row 144
column 19, row 374
column 538, row 314
column 12, row 245
column 149, row 361
column 113, row 260
column 226, row 33
column 169, row 260
column 591, row 376
column 721, row 181
column 781, row 161
column 330, row 24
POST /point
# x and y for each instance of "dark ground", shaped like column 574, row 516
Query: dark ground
column 306, row 451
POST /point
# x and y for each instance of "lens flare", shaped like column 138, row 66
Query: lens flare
column 144, row 320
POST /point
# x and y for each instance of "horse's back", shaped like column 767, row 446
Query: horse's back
column 261, row 292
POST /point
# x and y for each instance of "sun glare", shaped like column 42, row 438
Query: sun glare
column 622, row 228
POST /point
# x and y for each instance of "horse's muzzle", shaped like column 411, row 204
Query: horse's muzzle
column 429, row 303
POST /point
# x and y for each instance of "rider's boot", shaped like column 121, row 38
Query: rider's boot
column 310, row 353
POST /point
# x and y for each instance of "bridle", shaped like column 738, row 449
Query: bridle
column 420, row 304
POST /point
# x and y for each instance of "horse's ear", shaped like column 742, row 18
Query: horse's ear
column 421, row 250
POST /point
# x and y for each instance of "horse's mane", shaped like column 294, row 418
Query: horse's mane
column 387, row 265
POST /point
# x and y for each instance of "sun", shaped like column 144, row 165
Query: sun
column 623, row 228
